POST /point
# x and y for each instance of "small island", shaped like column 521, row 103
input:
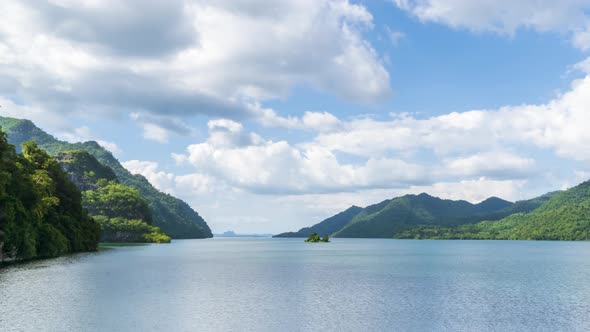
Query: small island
column 315, row 237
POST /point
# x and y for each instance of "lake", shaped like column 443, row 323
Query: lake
column 287, row 285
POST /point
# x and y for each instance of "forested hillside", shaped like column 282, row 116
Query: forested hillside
column 172, row 215
column 41, row 213
column 124, row 216
column 564, row 216
column 416, row 216
column 407, row 211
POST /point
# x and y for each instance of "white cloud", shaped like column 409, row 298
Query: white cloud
column 474, row 190
column 247, row 161
column 149, row 169
column 491, row 163
column 154, row 132
column 184, row 57
column 319, row 121
column 186, row 185
column 507, row 16
column 559, row 124
column 390, row 153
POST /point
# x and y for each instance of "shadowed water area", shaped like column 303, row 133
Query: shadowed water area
column 288, row 285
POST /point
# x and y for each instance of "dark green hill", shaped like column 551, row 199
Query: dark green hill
column 563, row 216
column 172, row 215
column 41, row 212
column 124, row 216
column 84, row 170
column 386, row 219
column 328, row 226
column 493, row 204
column 389, row 217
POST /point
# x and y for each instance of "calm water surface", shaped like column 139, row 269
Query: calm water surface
column 288, row 285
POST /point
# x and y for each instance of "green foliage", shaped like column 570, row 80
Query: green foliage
column 123, row 214
column 51, row 242
column 315, row 237
column 41, row 214
column 112, row 199
column 390, row 217
column 84, row 170
column 129, row 230
column 564, row 216
column 420, row 216
column 172, row 215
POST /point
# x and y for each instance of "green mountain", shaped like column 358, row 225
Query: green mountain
column 417, row 216
column 84, row 170
column 562, row 216
column 170, row 214
column 391, row 217
column 124, row 216
column 41, row 212
column 328, row 226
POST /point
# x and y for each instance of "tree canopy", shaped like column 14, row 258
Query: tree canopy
column 172, row 215
column 41, row 213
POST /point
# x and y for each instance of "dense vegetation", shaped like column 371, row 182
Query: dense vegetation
column 328, row 226
column 173, row 216
column 41, row 213
column 565, row 216
column 129, row 230
column 124, row 216
column 420, row 216
column 315, row 237
column 84, row 170
column 401, row 213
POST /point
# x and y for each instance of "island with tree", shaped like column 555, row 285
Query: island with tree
column 315, row 237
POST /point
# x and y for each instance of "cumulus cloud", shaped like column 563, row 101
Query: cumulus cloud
column 405, row 151
column 149, row 169
column 318, row 121
column 247, row 161
column 559, row 125
column 507, row 16
column 186, row 185
column 183, row 57
column 497, row 164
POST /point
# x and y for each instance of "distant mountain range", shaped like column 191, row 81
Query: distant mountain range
column 173, row 216
column 425, row 216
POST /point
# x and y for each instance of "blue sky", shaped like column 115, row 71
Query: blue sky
column 270, row 117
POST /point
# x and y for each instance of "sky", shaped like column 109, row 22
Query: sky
column 271, row 116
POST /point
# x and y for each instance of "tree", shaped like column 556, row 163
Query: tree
column 40, row 209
